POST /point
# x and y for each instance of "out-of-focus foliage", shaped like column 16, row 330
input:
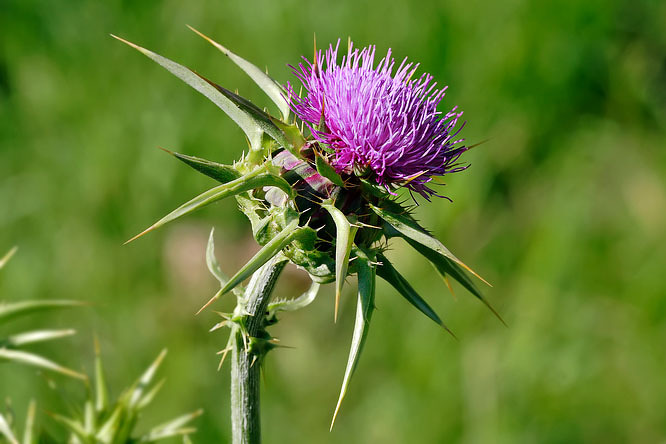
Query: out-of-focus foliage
column 100, row 420
column 12, row 344
column 9, row 429
column 562, row 210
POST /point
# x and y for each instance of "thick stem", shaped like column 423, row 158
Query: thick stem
column 245, row 362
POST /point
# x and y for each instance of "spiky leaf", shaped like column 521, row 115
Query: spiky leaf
column 410, row 229
column 138, row 389
column 250, row 181
column 22, row 357
column 32, row 337
column 171, row 428
column 151, row 395
column 266, row 253
column 266, row 122
column 221, row 173
column 272, row 88
column 386, row 271
column 345, row 233
column 246, row 122
column 291, row 132
column 29, row 435
column 364, row 309
column 7, row 257
column 101, row 389
column 6, row 430
column 296, row 304
column 214, row 266
column 328, row 171
column 73, row 425
column 15, row 309
column 445, row 266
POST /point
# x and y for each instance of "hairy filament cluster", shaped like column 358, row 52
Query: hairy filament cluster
column 377, row 121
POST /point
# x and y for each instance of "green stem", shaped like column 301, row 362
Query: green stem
column 245, row 361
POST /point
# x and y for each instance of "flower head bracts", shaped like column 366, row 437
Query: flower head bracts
column 378, row 122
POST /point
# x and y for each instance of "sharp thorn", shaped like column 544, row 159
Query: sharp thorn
column 144, row 232
column 449, row 332
column 224, row 356
column 335, row 414
column 337, row 305
column 475, row 274
column 213, row 299
column 448, row 284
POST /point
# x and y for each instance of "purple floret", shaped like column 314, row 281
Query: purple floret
column 379, row 123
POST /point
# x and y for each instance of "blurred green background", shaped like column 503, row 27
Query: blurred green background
column 563, row 210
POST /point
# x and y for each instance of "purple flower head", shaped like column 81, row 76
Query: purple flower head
column 377, row 122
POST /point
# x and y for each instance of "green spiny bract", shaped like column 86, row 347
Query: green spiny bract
column 329, row 222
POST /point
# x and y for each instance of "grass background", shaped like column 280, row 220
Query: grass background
column 563, row 210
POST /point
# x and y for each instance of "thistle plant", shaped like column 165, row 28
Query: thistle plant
column 320, row 184
column 12, row 346
column 9, row 428
column 102, row 421
column 12, row 351
column 97, row 421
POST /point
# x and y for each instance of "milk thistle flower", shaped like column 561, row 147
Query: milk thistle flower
column 377, row 122
column 324, row 199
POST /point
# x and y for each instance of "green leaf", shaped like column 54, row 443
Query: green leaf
column 246, row 122
column 271, row 87
column 214, row 265
column 328, row 171
column 267, row 123
column 295, row 304
column 150, row 396
column 139, row 387
column 34, row 360
column 445, row 266
column 32, row 337
column 266, row 253
column 364, row 308
column 344, row 239
column 29, row 436
column 387, row 272
column 89, row 417
column 410, row 229
column 217, row 171
column 291, row 132
column 255, row 179
column 109, row 429
column 15, row 309
column 101, row 389
column 7, row 257
column 73, row 439
column 6, row 431
column 374, row 189
column 72, row 425
column 171, row 428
